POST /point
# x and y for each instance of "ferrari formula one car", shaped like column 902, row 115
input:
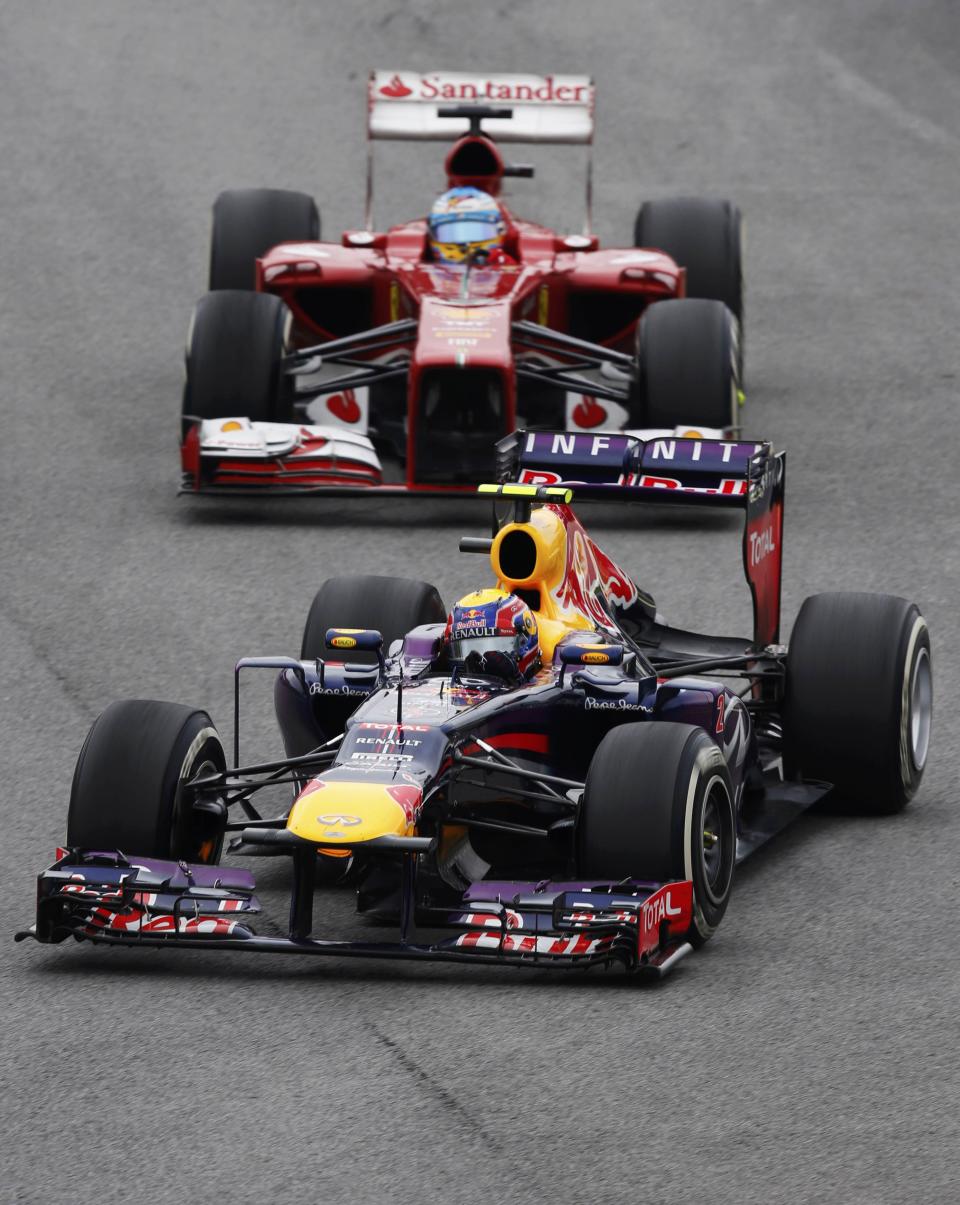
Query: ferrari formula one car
column 307, row 360
column 585, row 804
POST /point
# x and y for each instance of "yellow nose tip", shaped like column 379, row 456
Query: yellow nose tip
column 335, row 813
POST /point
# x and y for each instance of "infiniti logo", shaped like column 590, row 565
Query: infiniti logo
column 346, row 821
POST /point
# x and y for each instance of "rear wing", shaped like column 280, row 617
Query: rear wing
column 531, row 108
column 447, row 105
column 688, row 472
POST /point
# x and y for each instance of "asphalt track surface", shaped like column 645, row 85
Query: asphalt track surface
column 810, row 1052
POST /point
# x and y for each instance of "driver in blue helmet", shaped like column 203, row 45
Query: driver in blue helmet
column 467, row 225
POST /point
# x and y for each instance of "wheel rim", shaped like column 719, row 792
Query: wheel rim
column 921, row 708
column 206, row 848
column 189, row 843
column 716, row 842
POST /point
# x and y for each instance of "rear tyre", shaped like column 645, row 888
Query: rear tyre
column 658, row 805
column 128, row 786
column 391, row 605
column 247, row 222
column 686, row 366
column 705, row 236
column 858, row 707
column 235, row 351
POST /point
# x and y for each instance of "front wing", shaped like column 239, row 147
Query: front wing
column 237, row 455
column 106, row 898
column 241, row 456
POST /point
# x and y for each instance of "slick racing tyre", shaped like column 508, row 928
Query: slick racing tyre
column 686, row 366
column 235, row 351
column 391, row 605
column 658, row 806
column 247, row 222
column 128, row 791
column 705, row 236
column 858, row 706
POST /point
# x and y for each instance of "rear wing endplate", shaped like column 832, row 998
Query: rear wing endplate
column 689, row 472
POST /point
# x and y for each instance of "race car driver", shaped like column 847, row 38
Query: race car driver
column 493, row 634
column 466, row 225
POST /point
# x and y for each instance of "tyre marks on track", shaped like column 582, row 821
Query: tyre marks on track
column 49, row 660
column 454, row 1108
column 846, row 80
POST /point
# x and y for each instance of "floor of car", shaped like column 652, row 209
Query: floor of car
column 661, row 643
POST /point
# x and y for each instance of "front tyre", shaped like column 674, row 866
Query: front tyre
column 129, row 789
column 858, row 705
column 235, row 351
column 658, row 806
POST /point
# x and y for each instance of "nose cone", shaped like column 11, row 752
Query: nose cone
column 349, row 813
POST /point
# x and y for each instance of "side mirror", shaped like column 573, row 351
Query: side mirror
column 575, row 653
column 577, row 242
column 367, row 640
column 365, row 238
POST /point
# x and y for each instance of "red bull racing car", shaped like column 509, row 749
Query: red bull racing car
column 548, row 776
column 308, row 361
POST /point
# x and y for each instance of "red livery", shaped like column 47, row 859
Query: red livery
column 312, row 365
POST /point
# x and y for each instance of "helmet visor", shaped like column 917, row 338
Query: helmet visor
column 461, row 649
column 460, row 230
